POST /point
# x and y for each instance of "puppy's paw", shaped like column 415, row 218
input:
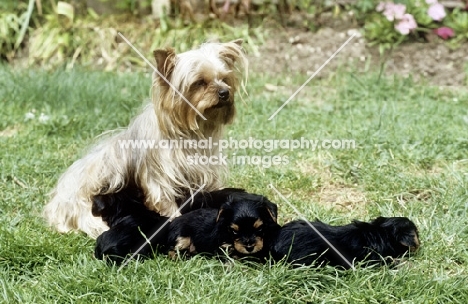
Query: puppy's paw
column 183, row 248
column 110, row 255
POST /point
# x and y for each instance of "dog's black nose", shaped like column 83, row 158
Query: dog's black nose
column 249, row 248
column 223, row 94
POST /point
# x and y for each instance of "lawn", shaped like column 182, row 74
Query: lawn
column 410, row 159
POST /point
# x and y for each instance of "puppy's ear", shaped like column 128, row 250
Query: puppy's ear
column 224, row 207
column 380, row 221
column 165, row 62
column 402, row 229
column 410, row 240
column 219, row 214
column 99, row 205
column 272, row 209
column 407, row 233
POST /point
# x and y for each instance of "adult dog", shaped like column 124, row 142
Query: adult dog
column 192, row 101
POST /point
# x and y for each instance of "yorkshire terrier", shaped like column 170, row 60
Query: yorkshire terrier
column 242, row 226
column 208, row 78
column 131, row 226
column 378, row 241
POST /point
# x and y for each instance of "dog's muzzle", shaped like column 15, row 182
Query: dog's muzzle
column 249, row 248
column 224, row 99
column 223, row 95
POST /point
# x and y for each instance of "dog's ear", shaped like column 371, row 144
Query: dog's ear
column 410, row 240
column 272, row 209
column 380, row 221
column 407, row 233
column 99, row 205
column 165, row 61
column 237, row 41
column 219, row 214
column 224, row 207
column 402, row 229
column 233, row 52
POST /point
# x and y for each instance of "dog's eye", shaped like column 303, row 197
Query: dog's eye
column 260, row 229
column 200, row 83
column 234, row 232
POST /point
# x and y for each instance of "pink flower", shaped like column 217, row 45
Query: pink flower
column 431, row 1
column 394, row 11
column 444, row 32
column 226, row 6
column 381, row 6
column 406, row 24
column 436, row 11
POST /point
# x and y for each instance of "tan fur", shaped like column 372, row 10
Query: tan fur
column 183, row 243
column 240, row 247
column 272, row 215
column 163, row 174
column 219, row 214
column 258, row 223
column 234, row 227
column 415, row 242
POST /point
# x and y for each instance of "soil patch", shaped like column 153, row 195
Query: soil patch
column 299, row 51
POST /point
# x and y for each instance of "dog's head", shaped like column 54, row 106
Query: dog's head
column 402, row 230
column 113, row 207
column 248, row 218
column 201, row 81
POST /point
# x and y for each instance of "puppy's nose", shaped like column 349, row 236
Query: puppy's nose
column 223, row 94
column 249, row 248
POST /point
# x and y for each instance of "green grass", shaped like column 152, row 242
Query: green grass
column 410, row 160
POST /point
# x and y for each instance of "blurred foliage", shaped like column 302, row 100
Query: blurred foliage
column 51, row 32
column 61, row 37
column 95, row 41
column 12, row 18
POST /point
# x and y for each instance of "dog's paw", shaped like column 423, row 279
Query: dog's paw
column 183, row 248
column 110, row 255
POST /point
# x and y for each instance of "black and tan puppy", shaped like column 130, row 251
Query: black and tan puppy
column 377, row 241
column 131, row 225
column 243, row 225
column 213, row 199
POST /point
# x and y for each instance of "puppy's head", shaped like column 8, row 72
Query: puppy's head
column 247, row 219
column 402, row 230
column 112, row 207
column 202, row 81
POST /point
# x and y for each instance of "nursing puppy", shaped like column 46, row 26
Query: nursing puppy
column 242, row 226
column 133, row 225
column 192, row 100
column 133, row 228
column 384, row 237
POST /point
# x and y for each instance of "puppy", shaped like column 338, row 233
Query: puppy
column 131, row 225
column 242, row 226
column 383, row 237
column 212, row 199
column 200, row 82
